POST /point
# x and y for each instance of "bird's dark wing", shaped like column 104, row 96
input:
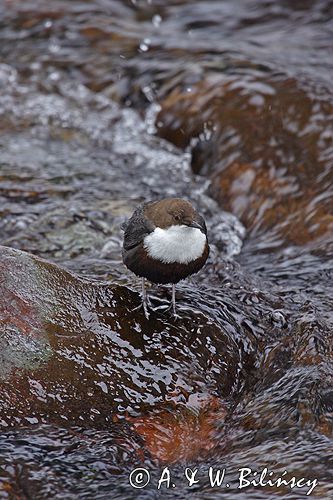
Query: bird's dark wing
column 136, row 228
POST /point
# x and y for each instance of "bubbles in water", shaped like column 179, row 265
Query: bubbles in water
column 156, row 20
column 145, row 45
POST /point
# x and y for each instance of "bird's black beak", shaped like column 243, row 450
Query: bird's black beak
column 195, row 224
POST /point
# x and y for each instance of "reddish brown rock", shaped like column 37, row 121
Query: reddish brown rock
column 182, row 434
column 263, row 141
column 75, row 353
column 261, row 201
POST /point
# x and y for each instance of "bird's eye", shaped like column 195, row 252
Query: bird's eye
column 177, row 217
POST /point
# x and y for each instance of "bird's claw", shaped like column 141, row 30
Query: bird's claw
column 144, row 306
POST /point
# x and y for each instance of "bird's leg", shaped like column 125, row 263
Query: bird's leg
column 173, row 300
column 146, row 305
column 144, row 299
column 172, row 304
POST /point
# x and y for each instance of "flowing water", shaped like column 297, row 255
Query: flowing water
column 105, row 104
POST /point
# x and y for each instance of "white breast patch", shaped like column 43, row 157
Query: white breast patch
column 180, row 244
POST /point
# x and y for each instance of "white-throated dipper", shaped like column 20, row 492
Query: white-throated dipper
column 165, row 241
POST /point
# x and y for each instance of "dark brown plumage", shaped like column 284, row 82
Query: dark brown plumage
column 165, row 241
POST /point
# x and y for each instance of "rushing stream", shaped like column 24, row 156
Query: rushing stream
column 105, row 104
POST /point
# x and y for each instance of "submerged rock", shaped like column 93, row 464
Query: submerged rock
column 76, row 353
column 264, row 142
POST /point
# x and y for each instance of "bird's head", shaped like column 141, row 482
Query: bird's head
column 175, row 212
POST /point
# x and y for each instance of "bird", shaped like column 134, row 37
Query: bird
column 165, row 241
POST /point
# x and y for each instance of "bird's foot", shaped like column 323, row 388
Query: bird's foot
column 163, row 305
column 143, row 305
column 169, row 308
column 147, row 305
column 174, row 312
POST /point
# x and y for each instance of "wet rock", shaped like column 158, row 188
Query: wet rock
column 244, row 376
column 265, row 204
column 298, row 365
column 47, row 451
column 182, row 433
column 59, row 207
column 263, row 141
column 77, row 354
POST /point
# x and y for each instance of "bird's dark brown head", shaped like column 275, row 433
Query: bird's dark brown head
column 173, row 212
